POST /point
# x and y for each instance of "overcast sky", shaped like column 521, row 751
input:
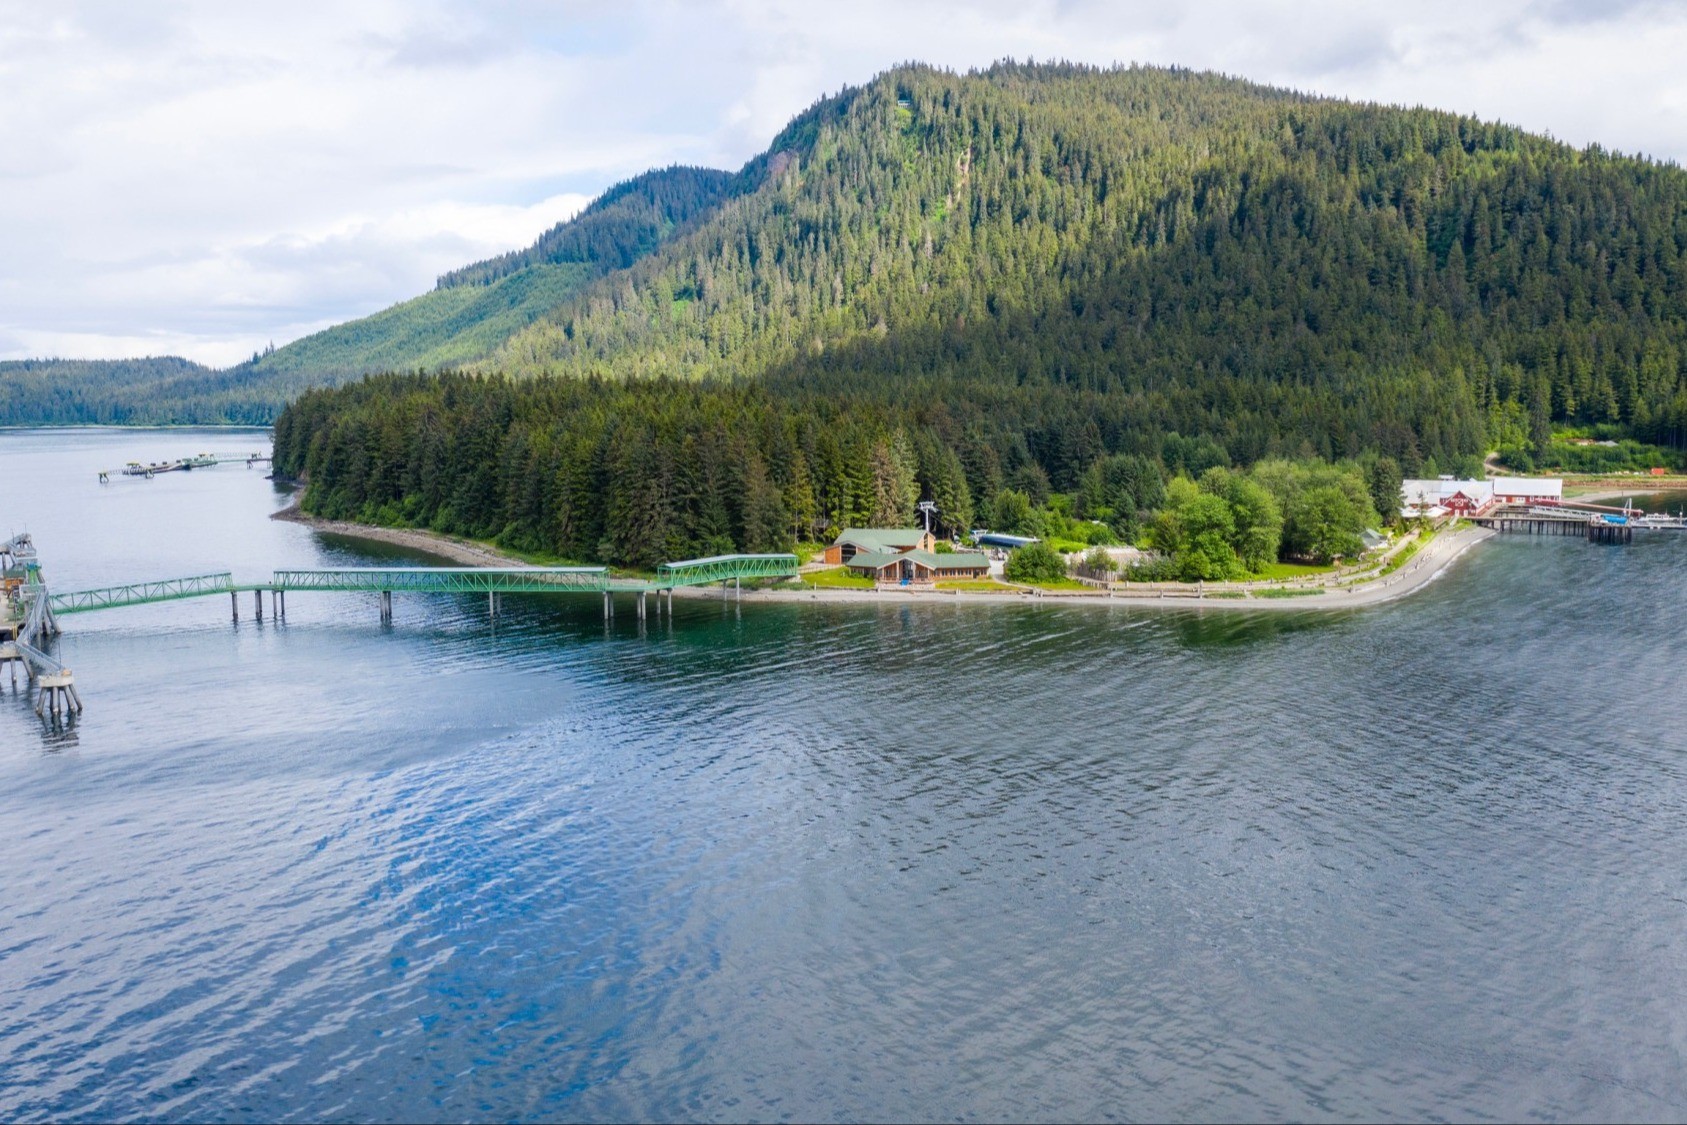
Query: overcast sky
column 203, row 178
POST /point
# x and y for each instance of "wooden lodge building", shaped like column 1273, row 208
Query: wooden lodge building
column 903, row 557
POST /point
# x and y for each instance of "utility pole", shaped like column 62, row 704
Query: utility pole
column 927, row 507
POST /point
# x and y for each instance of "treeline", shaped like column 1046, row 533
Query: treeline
column 635, row 473
column 162, row 390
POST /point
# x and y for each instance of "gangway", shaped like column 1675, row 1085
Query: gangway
column 724, row 568
column 143, row 593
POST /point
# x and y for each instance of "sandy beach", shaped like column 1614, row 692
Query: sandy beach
column 1425, row 566
column 463, row 552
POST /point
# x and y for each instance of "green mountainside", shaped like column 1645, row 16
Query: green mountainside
column 1253, row 264
column 471, row 312
column 1006, row 281
column 478, row 307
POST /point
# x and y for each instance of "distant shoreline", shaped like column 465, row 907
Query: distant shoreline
column 1428, row 564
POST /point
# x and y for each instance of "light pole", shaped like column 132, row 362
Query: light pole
column 927, row 507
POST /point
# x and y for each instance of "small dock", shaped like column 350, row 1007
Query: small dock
column 1536, row 523
column 1610, row 529
column 1608, row 526
column 146, row 470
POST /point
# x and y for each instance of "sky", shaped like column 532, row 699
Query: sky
column 203, row 179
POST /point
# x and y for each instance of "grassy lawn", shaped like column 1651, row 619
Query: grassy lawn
column 1405, row 555
column 1282, row 570
column 1288, row 593
column 841, row 578
column 1063, row 584
column 972, row 584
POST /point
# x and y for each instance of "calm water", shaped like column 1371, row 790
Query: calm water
column 807, row 862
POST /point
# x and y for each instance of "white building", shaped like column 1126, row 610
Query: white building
column 1526, row 490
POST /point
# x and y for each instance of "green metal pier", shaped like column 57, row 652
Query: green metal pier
column 29, row 611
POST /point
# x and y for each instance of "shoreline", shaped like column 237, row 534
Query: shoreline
column 1428, row 564
column 464, row 552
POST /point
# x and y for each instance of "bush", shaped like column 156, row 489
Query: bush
column 1035, row 562
column 1098, row 563
column 1159, row 569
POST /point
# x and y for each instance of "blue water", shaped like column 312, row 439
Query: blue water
column 833, row 863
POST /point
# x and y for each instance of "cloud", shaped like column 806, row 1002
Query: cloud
column 213, row 176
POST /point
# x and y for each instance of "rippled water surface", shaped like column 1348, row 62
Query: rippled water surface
column 837, row 863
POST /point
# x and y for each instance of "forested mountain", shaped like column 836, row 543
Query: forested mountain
column 1265, row 268
column 478, row 307
column 153, row 391
column 471, row 312
column 1010, row 280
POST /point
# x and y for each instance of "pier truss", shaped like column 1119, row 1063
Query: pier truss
column 445, row 580
column 143, row 593
column 723, row 568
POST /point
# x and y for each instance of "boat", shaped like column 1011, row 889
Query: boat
column 999, row 539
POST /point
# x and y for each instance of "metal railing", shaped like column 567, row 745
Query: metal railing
column 724, row 568
column 142, row 593
column 446, row 580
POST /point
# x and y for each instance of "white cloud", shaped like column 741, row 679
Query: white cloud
column 205, row 177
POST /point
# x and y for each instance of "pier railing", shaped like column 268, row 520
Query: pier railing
column 724, row 568
column 446, row 580
column 141, row 593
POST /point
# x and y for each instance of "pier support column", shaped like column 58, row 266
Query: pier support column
column 283, row 603
column 258, row 604
column 492, row 604
column 608, row 606
column 641, row 611
column 386, row 606
column 234, row 604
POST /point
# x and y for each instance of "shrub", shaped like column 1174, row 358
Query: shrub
column 1035, row 562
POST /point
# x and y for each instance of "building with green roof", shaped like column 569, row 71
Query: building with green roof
column 918, row 567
